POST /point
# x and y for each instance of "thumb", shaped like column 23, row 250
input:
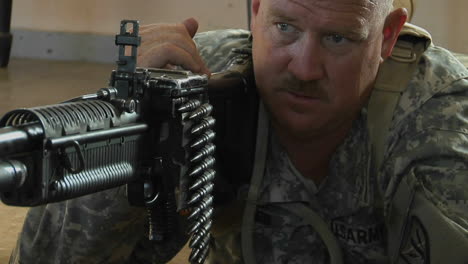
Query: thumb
column 191, row 25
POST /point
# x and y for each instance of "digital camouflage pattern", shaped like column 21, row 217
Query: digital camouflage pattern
column 344, row 200
column 72, row 231
column 428, row 139
column 215, row 47
column 97, row 228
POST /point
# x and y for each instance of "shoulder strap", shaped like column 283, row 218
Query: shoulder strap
column 394, row 74
column 248, row 218
column 392, row 79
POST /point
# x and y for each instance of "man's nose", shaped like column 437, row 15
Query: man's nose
column 306, row 62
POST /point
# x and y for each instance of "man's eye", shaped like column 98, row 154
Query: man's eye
column 283, row 27
column 335, row 39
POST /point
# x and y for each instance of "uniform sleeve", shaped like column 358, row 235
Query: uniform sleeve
column 215, row 47
column 431, row 144
column 96, row 228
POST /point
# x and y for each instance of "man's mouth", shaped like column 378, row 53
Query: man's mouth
column 303, row 96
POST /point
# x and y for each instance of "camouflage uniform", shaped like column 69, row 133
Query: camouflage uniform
column 428, row 139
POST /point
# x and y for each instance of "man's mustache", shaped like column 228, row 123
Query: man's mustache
column 304, row 88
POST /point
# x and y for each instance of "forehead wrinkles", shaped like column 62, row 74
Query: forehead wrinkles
column 360, row 10
column 360, row 7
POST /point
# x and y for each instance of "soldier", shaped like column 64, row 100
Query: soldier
column 365, row 147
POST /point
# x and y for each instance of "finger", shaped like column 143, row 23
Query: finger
column 177, row 34
column 183, row 41
column 191, row 25
column 159, row 33
column 181, row 33
column 159, row 37
column 161, row 55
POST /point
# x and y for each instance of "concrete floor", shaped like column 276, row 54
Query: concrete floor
column 27, row 83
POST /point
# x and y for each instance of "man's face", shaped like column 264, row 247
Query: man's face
column 315, row 61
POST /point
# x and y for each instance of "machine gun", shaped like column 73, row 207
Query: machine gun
column 151, row 129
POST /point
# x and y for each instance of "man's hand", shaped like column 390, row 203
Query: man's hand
column 166, row 45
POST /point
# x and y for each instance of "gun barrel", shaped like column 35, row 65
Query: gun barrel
column 97, row 135
column 12, row 174
column 19, row 139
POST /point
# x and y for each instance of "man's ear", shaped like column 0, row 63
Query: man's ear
column 255, row 8
column 392, row 28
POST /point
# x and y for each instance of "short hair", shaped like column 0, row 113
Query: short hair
column 382, row 8
column 386, row 7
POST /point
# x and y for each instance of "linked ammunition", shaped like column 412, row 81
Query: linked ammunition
column 203, row 255
column 207, row 176
column 202, row 111
column 194, row 254
column 196, row 238
column 208, row 163
column 205, row 217
column 207, row 202
column 206, row 123
column 203, row 191
column 203, row 153
column 198, row 251
column 189, row 106
column 205, row 241
column 207, row 137
column 204, row 230
column 180, row 100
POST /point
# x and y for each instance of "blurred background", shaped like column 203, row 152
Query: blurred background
column 65, row 48
column 84, row 30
